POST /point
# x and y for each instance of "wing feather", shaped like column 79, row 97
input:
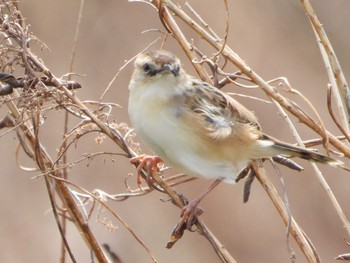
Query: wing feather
column 218, row 114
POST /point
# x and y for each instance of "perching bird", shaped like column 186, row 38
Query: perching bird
column 194, row 126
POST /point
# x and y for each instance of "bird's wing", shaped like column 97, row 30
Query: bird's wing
column 218, row 115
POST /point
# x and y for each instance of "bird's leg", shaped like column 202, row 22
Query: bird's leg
column 147, row 163
column 191, row 210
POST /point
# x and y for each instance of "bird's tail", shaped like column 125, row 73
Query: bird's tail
column 280, row 148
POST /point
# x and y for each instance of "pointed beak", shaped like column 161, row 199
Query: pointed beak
column 174, row 69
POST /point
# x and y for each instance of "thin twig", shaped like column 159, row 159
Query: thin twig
column 66, row 120
column 335, row 73
column 318, row 173
column 330, row 110
column 302, row 240
column 124, row 66
column 96, row 199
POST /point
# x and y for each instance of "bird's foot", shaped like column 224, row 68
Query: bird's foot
column 147, row 163
column 189, row 216
column 190, row 212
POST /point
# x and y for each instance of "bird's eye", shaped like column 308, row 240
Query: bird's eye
column 147, row 67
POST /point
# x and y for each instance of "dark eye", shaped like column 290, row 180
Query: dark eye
column 147, row 67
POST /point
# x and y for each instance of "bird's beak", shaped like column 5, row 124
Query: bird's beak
column 174, row 69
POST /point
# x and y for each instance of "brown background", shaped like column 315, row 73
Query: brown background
column 274, row 38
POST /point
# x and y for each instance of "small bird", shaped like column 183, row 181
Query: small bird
column 194, row 126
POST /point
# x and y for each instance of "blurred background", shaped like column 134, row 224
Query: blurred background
column 274, row 38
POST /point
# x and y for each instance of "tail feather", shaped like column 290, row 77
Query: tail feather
column 288, row 150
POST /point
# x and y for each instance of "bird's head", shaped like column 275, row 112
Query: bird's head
column 157, row 63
